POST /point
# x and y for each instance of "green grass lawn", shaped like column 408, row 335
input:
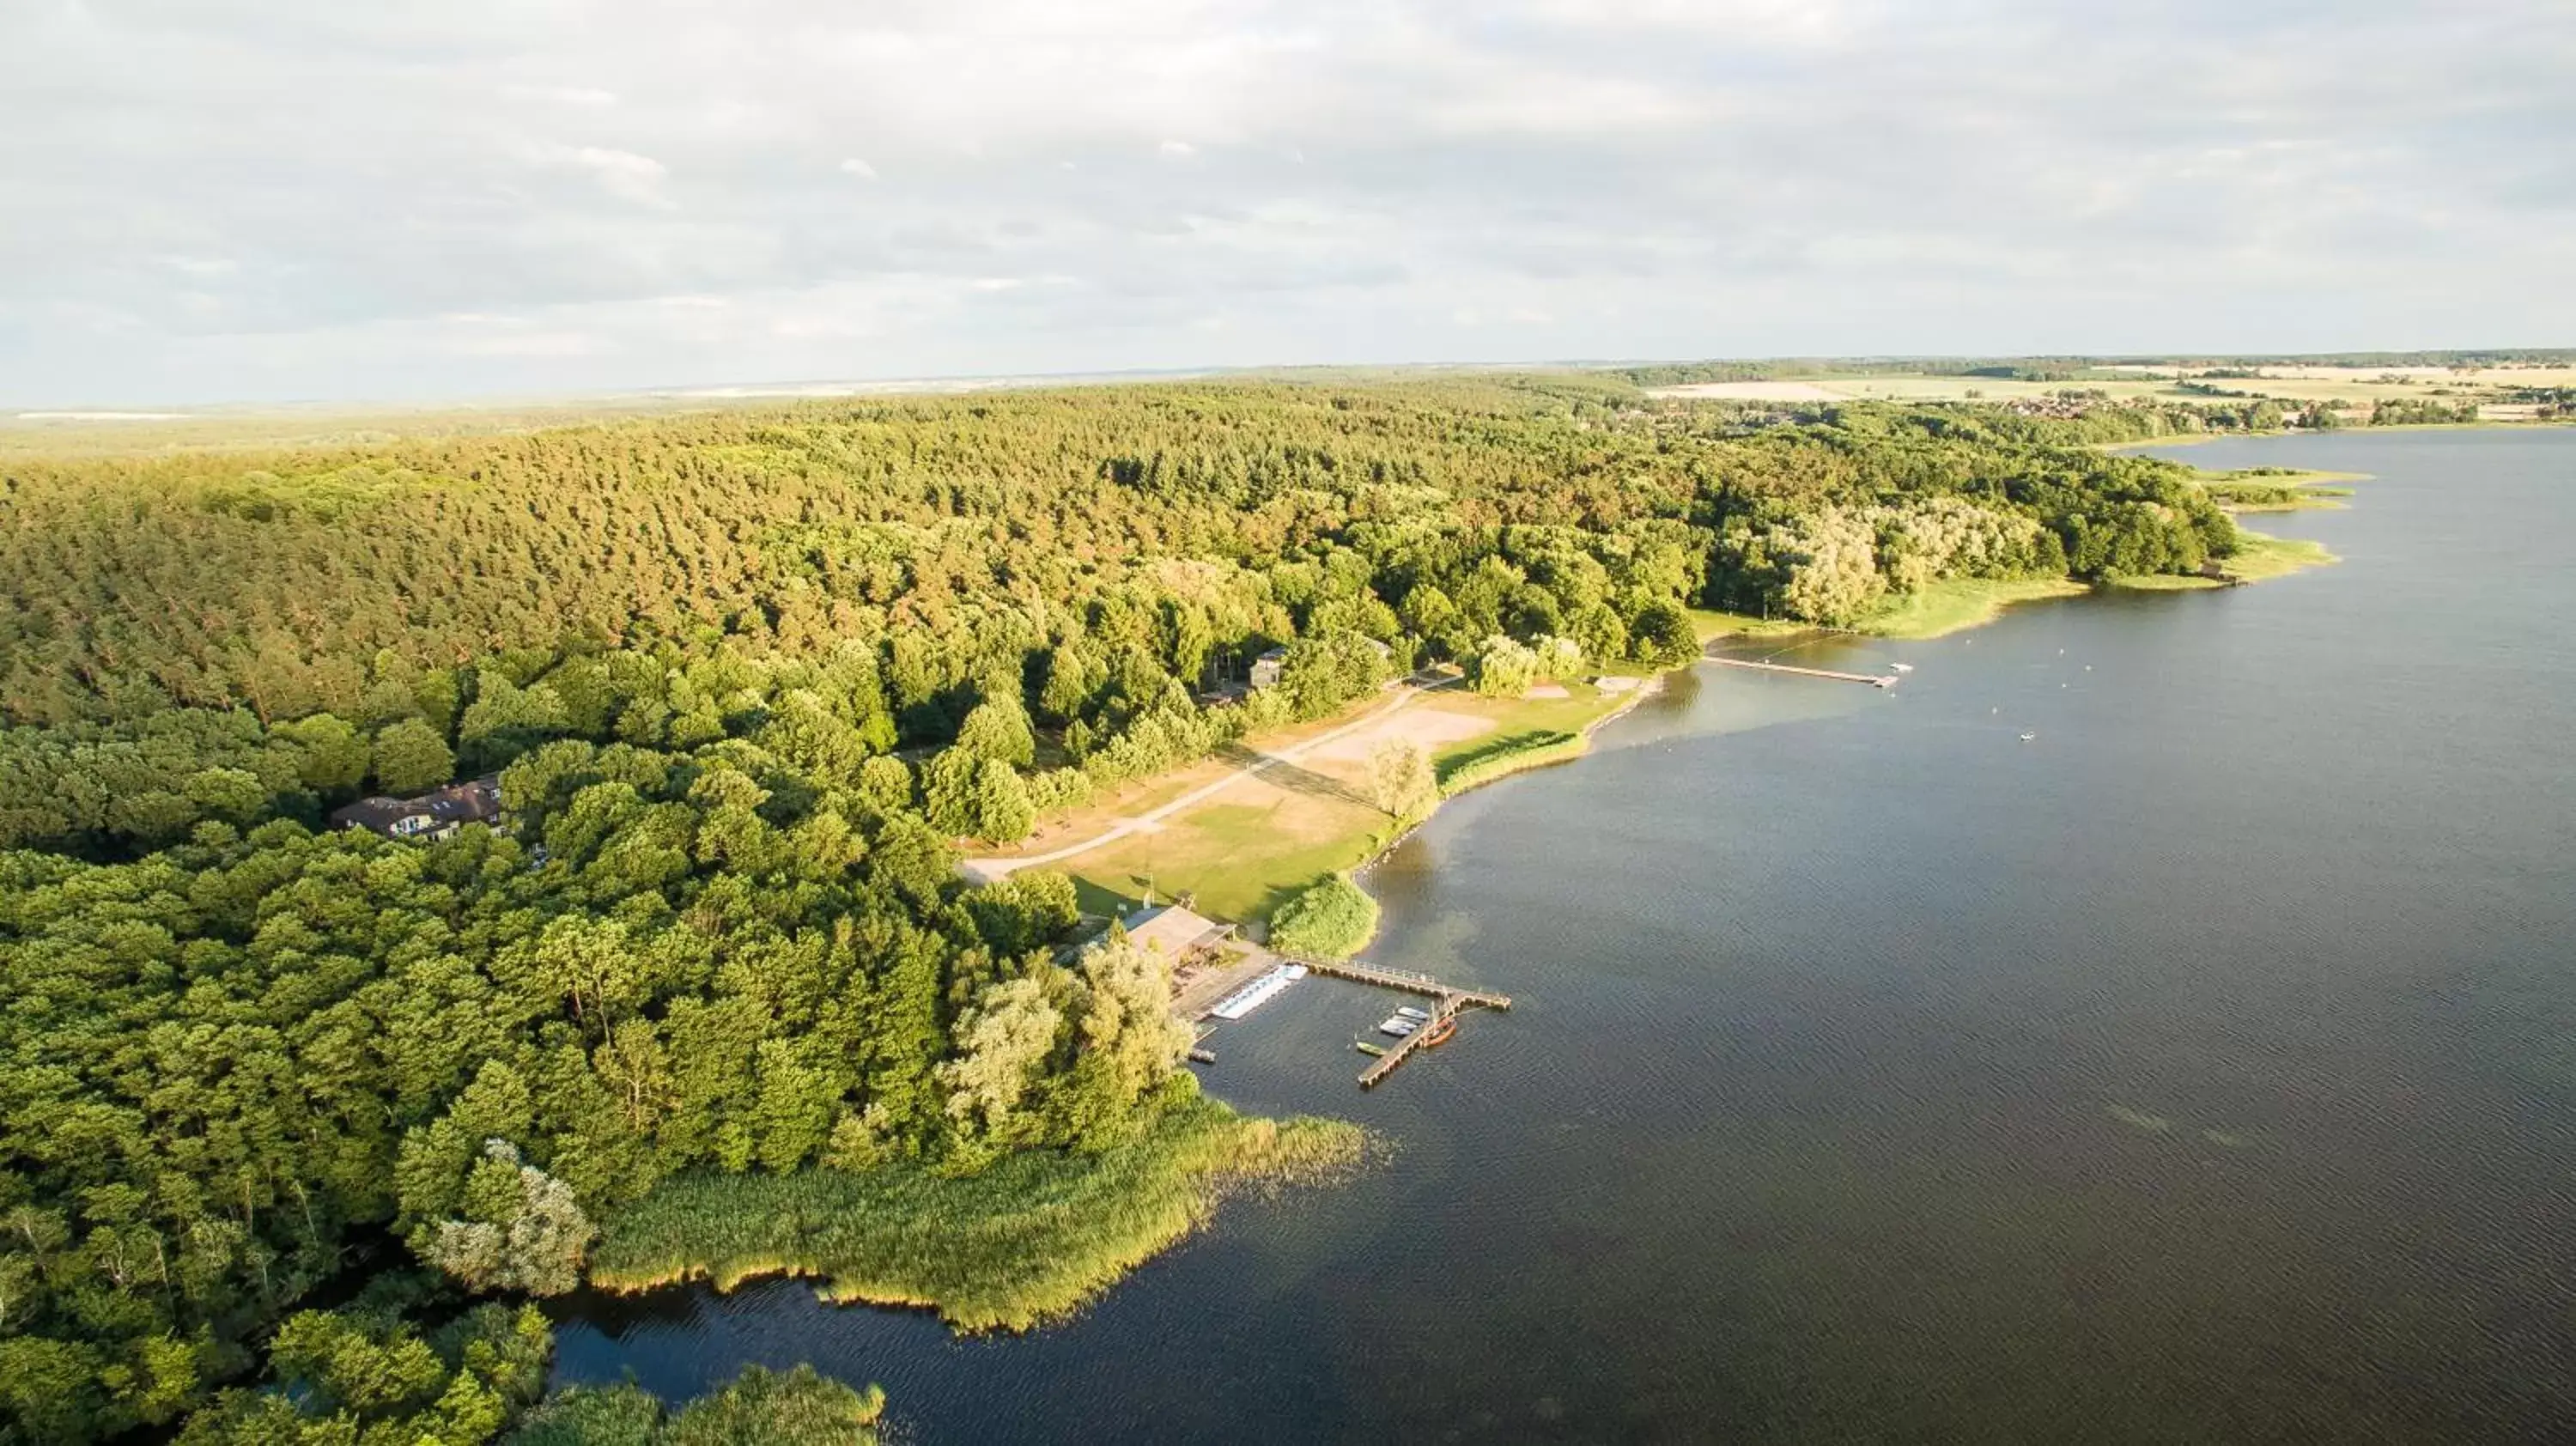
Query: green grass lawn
column 1708, row 623
column 1241, row 861
column 1523, row 727
column 1238, row 861
column 1027, row 1241
column 1572, row 713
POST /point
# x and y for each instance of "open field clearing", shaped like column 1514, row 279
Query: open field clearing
column 2360, row 385
column 1754, row 391
column 1293, row 806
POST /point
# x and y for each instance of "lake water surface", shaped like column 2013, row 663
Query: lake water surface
column 2198, row 1070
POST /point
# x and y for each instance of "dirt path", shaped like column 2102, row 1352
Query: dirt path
column 987, row 870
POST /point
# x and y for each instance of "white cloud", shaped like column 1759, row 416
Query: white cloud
column 623, row 174
column 1668, row 177
column 573, row 95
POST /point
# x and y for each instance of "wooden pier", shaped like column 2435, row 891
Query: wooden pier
column 1875, row 680
column 1451, row 1000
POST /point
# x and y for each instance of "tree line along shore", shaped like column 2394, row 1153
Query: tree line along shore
column 295, row 1119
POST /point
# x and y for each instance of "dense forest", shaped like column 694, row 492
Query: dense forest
column 293, row 1122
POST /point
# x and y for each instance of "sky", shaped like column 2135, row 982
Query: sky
column 217, row 200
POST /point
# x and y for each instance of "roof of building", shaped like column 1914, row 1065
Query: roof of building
column 475, row 801
column 1173, row 931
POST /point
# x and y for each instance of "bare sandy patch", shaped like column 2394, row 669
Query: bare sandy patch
column 1751, row 391
column 1549, row 690
column 1426, row 723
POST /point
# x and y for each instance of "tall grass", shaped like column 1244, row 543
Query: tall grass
column 1026, row 1241
column 1489, row 761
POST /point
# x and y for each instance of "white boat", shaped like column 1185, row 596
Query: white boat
column 1409, row 1012
column 1397, row 1025
column 1902, row 667
column 2028, row 736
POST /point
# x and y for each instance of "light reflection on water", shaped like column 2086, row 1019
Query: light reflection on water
column 2195, row 1071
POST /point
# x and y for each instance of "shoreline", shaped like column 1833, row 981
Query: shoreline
column 2191, row 439
column 1572, row 749
column 1942, row 609
column 979, row 1308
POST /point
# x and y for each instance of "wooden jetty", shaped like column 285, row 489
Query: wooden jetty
column 1875, row 680
column 1451, row 1000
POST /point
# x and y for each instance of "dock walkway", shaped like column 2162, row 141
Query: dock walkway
column 1450, row 1001
column 1875, row 680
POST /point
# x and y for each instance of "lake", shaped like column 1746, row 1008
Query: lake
column 2198, row 1069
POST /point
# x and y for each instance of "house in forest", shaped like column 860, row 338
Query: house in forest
column 1266, row 668
column 433, row 815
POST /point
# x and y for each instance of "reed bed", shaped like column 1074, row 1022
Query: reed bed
column 1026, row 1241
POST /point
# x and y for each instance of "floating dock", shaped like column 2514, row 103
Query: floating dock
column 1875, row 680
column 1258, row 993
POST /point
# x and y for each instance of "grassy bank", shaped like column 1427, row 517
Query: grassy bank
column 2259, row 557
column 1027, row 1241
column 1944, row 607
column 1957, row 604
column 1491, row 758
